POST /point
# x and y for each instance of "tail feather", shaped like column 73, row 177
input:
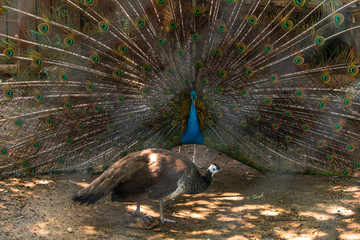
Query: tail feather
column 277, row 82
column 89, row 198
column 96, row 190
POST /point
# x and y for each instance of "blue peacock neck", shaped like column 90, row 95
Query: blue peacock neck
column 192, row 133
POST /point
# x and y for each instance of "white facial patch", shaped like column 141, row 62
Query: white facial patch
column 213, row 169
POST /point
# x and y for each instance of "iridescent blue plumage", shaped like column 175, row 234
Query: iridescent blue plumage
column 192, row 134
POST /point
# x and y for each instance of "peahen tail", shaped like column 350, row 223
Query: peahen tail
column 274, row 84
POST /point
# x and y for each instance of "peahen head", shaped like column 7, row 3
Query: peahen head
column 213, row 169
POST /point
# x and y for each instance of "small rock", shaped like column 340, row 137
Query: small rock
column 70, row 230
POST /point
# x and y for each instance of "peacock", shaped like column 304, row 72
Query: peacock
column 271, row 83
column 148, row 174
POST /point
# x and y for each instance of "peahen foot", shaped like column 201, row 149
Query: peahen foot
column 138, row 213
column 162, row 219
column 141, row 221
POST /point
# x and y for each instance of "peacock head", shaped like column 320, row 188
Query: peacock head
column 193, row 96
column 213, row 169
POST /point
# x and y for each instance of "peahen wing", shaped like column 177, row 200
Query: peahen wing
column 277, row 81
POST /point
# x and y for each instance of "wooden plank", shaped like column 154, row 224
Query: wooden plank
column 42, row 5
column 12, row 23
column 25, row 24
column 3, row 19
column 75, row 16
column 7, row 68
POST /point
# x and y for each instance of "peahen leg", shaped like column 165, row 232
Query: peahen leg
column 137, row 211
column 162, row 219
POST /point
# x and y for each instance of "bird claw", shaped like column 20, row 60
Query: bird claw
column 141, row 221
column 144, row 217
column 165, row 220
column 136, row 213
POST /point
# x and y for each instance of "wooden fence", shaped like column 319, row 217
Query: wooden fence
column 18, row 25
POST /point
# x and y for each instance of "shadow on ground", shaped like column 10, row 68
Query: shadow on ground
column 240, row 204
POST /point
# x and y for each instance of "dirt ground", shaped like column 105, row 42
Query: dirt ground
column 240, row 204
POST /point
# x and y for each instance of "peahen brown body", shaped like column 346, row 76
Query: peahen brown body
column 274, row 84
column 151, row 174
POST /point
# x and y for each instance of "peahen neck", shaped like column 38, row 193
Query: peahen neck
column 207, row 177
column 200, row 184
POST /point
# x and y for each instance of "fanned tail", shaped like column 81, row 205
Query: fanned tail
column 277, row 82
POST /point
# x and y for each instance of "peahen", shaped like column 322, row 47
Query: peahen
column 272, row 83
column 148, row 174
